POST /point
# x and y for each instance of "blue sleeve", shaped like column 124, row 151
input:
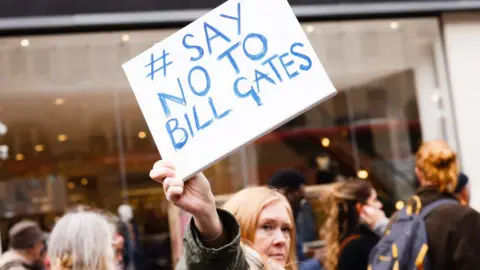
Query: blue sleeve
column 306, row 223
column 310, row 264
column 300, row 256
column 306, row 264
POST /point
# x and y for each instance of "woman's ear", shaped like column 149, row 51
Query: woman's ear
column 359, row 207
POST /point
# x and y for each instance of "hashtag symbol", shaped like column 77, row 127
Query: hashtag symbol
column 153, row 61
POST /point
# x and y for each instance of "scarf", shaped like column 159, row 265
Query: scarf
column 257, row 262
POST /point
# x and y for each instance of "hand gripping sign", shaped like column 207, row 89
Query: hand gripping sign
column 226, row 79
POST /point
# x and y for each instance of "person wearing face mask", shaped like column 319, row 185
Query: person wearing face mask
column 213, row 238
column 27, row 248
column 349, row 241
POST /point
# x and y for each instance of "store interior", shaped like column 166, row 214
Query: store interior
column 77, row 136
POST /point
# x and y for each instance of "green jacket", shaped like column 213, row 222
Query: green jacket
column 198, row 257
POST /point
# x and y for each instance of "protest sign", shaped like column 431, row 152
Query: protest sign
column 226, row 79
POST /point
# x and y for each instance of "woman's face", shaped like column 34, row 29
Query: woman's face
column 273, row 233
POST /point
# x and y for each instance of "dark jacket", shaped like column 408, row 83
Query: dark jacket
column 453, row 233
column 354, row 255
column 132, row 252
column 305, row 222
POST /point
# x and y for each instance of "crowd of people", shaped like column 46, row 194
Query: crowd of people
column 256, row 228
column 265, row 227
column 84, row 238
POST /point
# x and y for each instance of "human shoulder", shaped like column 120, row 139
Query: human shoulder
column 454, row 212
column 359, row 242
column 13, row 266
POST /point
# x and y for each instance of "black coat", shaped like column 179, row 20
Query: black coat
column 453, row 233
column 354, row 254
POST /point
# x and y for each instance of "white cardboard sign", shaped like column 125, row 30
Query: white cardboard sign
column 226, row 79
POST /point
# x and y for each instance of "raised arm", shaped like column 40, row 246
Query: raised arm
column 212, row 238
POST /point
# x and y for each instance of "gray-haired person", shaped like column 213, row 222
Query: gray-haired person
column 82, row 240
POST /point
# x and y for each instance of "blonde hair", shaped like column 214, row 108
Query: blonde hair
column 246, row 206
column 339, row 204
column 82, row 240
column 438, row 164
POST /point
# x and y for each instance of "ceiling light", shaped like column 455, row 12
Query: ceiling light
column 25, row 42
column 62, row 137
column 125, row 38
column 39, row 147
column 362, row 174
column 20, row 157
column 59, row 101
column 309, row 29
column 325, row 142
column 71, row 185
column 3, row 129
column 142, row 135
column 84, row 181
column 394, row 25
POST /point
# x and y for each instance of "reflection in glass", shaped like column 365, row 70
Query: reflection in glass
column 76, row 134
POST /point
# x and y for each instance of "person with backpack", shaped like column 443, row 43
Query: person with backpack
column 27, row 248
column 349, row 240
column 434, row 231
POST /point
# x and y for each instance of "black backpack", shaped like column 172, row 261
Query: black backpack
column 405, row 246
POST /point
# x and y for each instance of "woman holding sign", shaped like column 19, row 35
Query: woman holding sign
column 213, row 239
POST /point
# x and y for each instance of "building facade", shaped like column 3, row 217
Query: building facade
column 404, row 71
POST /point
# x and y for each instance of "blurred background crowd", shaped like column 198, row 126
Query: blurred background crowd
column 71, row 132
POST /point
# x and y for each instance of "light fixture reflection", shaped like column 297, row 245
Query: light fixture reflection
column 399, row 205
column 62, row 137
column 142, row 134
column 309, row 29
column 25, row 42
column 394, row 25
column 325, row 142
column 20, row 157
column 362, row 174
column 71, row 185
column 39, row 147
column 84, row 181
column 59, row 101
column 125, row 38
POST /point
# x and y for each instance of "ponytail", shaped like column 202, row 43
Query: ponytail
column 332, row 233
column 339, row 203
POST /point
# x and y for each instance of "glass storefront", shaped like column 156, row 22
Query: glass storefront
column 77, row 136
